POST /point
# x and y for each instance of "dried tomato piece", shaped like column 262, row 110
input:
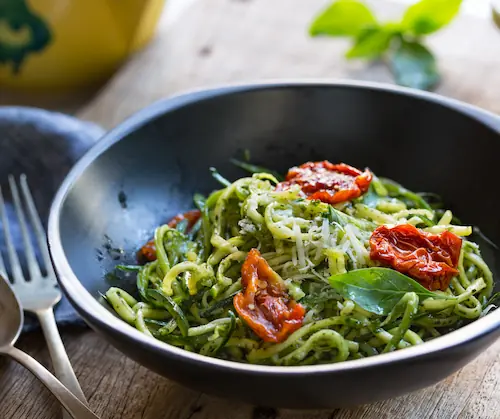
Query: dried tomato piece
column 327, row 182
column 192, row 216
column 264, row 303
column 147, row 253
column 431, row 259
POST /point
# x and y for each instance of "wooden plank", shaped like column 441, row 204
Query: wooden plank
column 228, row 41
column 118, row 388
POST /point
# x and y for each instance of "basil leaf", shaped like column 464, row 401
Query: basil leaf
column 370, row 43
column 319, row 294
column 342, row 18
column 413, row 65
column 426, row 221
column 496, row 13
column 224, row 339
column 397, row 191
column 128, row 268
column 428, row 16
column 433, row 199
column 158, row 299
column 219, row 305
column 342, row 219
column 378, row 290
column 219, row 178
column 370, row 198
column 199, row 200
column 494, row 299
column 252, row 168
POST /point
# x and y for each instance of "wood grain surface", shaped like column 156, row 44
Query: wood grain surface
column 234, row 41
column 118, row 388
column 227, row 41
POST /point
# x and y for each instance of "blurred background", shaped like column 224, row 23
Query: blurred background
column 102, row 60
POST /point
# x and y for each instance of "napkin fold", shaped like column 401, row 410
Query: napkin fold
column 44, row 145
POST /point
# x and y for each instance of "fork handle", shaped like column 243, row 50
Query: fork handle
column 74, row 406
column 60, row 361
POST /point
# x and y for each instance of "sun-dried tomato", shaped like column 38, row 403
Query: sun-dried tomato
column 264, row 303
column 147, row 253
column 192, row 216
column 328, row 182
column 431, row 259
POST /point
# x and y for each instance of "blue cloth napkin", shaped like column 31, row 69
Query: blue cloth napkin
column 44, row 145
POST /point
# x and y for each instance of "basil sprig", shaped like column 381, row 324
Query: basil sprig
column 399, row 43
column 378, row 290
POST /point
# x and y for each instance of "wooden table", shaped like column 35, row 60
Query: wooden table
column 216, row 42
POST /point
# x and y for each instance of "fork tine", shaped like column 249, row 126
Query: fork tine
column 15, row 266
column 37, row 225
column 33, row 268
column 3, row 271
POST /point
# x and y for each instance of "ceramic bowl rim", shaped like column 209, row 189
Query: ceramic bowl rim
column 94, row 313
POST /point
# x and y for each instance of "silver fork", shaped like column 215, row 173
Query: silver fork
column 40, row 294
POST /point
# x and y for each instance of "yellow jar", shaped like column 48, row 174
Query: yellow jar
column 66, row 44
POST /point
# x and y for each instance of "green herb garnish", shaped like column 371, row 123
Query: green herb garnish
column 378, row 290
column 400, row 43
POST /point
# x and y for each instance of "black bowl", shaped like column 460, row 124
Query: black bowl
column 148, row 168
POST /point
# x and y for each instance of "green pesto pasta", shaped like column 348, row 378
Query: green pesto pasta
column 185, row 297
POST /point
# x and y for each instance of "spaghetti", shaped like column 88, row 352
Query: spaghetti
column 263, row 274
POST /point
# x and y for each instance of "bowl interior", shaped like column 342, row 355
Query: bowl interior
column 164, row 157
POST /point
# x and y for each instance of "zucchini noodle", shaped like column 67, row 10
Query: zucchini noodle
column 185, row 296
